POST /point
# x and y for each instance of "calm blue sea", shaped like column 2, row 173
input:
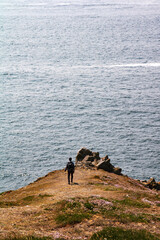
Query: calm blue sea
column 78, row 73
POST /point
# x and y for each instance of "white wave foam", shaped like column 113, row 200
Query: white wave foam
column 130, row 65
column 7, row 70
column 137, row 65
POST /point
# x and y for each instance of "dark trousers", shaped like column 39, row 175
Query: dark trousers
column 70, row 176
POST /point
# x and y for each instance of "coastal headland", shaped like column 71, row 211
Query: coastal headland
column 98, row 201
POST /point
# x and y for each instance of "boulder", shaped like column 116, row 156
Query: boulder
column 88, row 162
column 117, row 170
column 82, row 153
column 89, row 165
column 96, row 155
column 152, row 184
column 151, row 181
column 105, row 165
column 105, row 158
column 95, row 162
column 88, row 159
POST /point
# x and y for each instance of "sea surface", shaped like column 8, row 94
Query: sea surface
column 78, row 73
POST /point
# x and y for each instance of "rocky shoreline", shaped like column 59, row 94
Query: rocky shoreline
column 91, row 160
column 151, row 183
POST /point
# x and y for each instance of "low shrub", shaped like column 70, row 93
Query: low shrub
column 73, row 205
column 28, row 199
column 8, row 204
column 115, row 233
column 73, row 211
column 123, row 217
column 71, row 218
column 133, row 203
column 44, row 196
column 97, row 177
column 89, row 205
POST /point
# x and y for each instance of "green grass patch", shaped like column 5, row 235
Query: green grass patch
column 154, row 217
column 73, row 205
column 8, row 204
column 96, row 177
column 44, row 195
column 33, row 198
column 90, row 183
column 88, row 205
column 123, row 217
column 71, row 218
column 24, row 201
column 115, row 233
column 61, row 204
column 133, row 203
column 73, row 211
column 28, row 199
column 142, row 195
column 130, row 217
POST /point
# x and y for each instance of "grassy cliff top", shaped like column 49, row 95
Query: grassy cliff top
column 96, row 205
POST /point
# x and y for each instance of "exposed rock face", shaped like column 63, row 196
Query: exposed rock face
column 88, row 159
column 82, row 153
column 152, row 184
column 105, row 165
column 117, row 170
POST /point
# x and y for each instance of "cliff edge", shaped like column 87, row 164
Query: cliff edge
column 97, row 199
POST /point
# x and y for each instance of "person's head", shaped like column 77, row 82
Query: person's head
column 70, row 159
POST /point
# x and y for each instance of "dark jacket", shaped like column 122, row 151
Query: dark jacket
column 70, row 166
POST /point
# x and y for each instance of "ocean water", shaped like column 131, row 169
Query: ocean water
column 78, row 73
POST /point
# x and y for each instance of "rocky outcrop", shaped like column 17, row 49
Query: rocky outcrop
column 152, row 184
column 88, row 159
column 82, row 153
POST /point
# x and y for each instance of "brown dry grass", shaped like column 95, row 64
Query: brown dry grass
column 33, row 210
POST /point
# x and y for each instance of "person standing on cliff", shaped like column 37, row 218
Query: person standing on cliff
column 70, row 168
